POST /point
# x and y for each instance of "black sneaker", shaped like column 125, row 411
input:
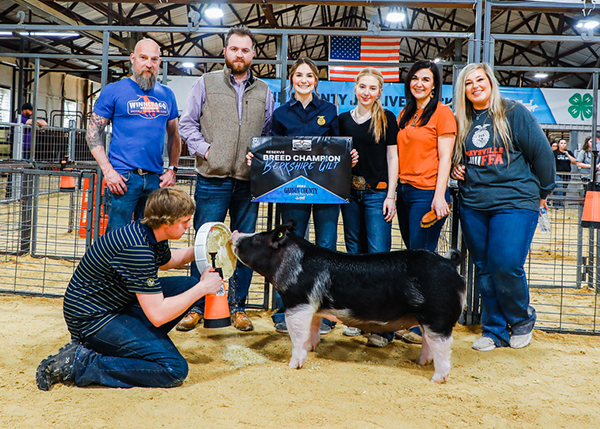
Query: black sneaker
column 56, row 368
column 281, row 327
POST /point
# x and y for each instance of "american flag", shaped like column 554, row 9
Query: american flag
column 356, row 49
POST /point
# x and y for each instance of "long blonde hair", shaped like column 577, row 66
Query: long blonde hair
column 464, row 111
column 378, row 119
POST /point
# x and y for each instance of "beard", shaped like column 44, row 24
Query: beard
column 146, row 83
column 236, row 67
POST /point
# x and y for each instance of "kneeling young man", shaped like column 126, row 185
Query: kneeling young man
column 119, row 312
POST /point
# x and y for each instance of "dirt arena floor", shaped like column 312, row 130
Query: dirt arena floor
column 241, row 380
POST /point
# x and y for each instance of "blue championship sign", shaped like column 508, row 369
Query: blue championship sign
column 307, row 170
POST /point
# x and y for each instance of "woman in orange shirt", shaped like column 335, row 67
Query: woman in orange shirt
column 425, row 144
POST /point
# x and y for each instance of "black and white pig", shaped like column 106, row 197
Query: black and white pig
column 375, row 292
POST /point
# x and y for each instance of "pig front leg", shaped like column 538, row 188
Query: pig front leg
column 300, row 321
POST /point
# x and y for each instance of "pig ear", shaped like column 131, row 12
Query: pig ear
column 280, row 234
column 291, row 225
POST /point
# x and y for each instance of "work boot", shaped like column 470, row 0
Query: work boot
column 56, row 368
column 241, row 321
column 409, row 337
column 189, row 321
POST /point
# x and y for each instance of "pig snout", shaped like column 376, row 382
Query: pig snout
column 236, row 236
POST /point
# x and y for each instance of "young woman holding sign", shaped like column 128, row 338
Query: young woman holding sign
column 369, row 214
column 306, row 114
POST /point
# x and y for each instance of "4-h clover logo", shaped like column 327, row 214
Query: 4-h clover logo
column 581, row 106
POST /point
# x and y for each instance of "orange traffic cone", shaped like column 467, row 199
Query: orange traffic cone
column 591, row 207
column 67, row 183
column 84, row 207
column 216, row 306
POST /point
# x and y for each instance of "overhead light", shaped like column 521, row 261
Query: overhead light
column 48, row 34
column 188, row 65
column 540, row 75
column 436, row 60
column 213, row 12
column 6, row 33
column 394, row 15
column 588, row 24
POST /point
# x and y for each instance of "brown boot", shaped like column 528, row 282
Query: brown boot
column 189, row 321
column 241, row 321
column 409, row 337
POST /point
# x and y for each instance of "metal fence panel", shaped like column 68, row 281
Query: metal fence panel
column 46, row 223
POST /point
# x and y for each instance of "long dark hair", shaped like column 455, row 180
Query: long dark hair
column 411, row 103
column 313, row 67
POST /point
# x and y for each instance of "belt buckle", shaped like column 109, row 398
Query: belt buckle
column 359, row 183
column 141, row 171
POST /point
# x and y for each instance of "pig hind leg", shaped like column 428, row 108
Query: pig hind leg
column 439, row 348
column 426, row 352
column 300, row 321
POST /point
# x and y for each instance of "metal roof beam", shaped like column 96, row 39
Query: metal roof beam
column 49, row 11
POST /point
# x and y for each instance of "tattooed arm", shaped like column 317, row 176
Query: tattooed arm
column 114, row 181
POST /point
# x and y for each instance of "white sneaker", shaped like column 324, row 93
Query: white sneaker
column 350, row 331
column 483, row 344
column 520, row 341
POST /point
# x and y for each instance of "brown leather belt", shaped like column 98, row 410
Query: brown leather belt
column 360, row 184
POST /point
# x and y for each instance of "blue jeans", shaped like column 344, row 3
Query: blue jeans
column 559, row 178
column 412, row 203
column 498, row 242
column 121, row 208
column 325, row 220
column 365, row 228
column 214, row 197
column 129, row 351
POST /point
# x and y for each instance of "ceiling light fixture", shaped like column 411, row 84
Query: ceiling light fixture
column 540, row 75
column 213, row 12
column 188, row 65
column 588, row 24
column 48, row 34
column 394, row 15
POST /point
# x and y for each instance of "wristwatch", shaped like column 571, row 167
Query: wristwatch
column 172, row 167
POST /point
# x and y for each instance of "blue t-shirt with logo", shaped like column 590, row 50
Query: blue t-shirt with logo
column 139, row 121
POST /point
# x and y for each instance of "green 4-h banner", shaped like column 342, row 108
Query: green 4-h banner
column 570, row 106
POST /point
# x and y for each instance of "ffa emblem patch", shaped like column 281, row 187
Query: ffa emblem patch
column 321, row 120
column 151, row 282
column 481, row 135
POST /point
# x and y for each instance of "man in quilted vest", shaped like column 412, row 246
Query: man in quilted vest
column 225, row 109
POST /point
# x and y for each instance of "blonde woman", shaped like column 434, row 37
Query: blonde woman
column 506, row 169
column 368, row 215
